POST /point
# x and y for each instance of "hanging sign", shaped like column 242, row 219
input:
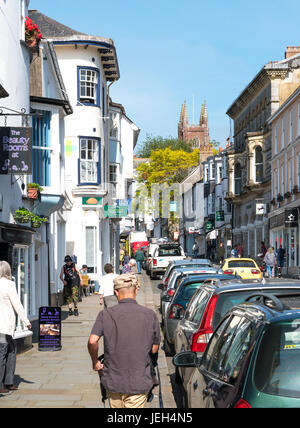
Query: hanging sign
column 15, row 150
column 49, row 329
column 291, row 218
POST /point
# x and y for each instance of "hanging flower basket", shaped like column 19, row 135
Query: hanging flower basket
column 37, row 221
column 22, row 216
column 32, row 33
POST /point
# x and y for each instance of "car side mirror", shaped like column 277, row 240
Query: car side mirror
column 160, row 286
column 186, row 359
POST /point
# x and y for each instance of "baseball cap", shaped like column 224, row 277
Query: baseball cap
column 124, row 281
column 68, row 259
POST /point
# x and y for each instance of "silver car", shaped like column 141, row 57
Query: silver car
column 186, row 288
column 175, row 277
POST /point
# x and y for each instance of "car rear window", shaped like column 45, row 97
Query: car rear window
column 188, row 290
column 241, row 263
column 277, row 368
column 169, row 251
column 226, row 301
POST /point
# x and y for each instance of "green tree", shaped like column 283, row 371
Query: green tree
column 157, row 143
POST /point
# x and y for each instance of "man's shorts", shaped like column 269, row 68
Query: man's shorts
column 126, row 401
column 71, row 294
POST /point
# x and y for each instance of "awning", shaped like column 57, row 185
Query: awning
column 48, row 204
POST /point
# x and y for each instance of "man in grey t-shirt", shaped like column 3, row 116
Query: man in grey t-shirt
column 131, row 332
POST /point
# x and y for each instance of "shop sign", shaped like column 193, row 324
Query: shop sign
column 15, row 150
column 111, row 211
column 49, row 329
column 209, row 226
column 92, row 201
column 261, row 209
column 291, row 218
column 220, row 216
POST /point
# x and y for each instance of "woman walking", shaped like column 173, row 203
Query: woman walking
column 9, row 304
column 270, row 259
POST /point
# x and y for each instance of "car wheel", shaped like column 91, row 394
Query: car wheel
column 168, row 348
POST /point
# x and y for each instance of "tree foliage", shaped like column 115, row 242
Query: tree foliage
column 167, row 166
column 157, row 143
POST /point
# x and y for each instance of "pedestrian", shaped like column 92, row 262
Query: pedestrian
column 234, row 251
column 139, row 258
column 263, row 250
column 126, row 258
column 131, row 334
column 107, row 295
column 270, row 261
column 195, row 250
column 9, row 305
column 240, row 250
column 280, row 260
column 128, row 266
column 85, row 279
column 221, row 252
column 71, row 278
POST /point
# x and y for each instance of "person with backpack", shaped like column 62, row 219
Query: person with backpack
column 71, row 278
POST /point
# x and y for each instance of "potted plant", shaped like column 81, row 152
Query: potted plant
column 32, row 33
column 33, row 190
column 37, row 221
column 287, row 195
column 22, row 215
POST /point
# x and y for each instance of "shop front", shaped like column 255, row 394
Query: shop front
column 284, row 231
column 16, row 249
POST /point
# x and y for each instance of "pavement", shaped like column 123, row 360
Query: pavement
column 65, row 379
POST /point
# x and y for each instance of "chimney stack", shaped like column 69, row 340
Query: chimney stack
column 291, row 50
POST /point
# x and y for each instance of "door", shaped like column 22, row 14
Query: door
column 223, row 366
column 20, row 274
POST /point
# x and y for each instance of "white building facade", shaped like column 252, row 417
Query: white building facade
column 88, row 66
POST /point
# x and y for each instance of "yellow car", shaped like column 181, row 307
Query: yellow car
column 245, row 268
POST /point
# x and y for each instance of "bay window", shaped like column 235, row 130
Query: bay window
column 88, row 86
column 89, row 161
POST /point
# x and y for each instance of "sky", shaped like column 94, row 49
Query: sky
column 170, row 51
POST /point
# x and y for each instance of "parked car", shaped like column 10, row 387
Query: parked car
column 252, row 359
column 206, row 309
column 176, row 277
column 162, row 256
column 150, row 249
column 245, row 268
column 183, row 294
column 174, row 264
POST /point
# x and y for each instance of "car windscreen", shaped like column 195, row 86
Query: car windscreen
column 277, row 368
column 169, row 252
column 241, row 264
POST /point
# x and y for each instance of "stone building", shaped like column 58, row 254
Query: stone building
column 198, row 134
column 249, row 169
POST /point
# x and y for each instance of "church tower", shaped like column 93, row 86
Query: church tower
column 199, row 134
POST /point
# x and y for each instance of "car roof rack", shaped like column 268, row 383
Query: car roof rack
column 262, row 297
